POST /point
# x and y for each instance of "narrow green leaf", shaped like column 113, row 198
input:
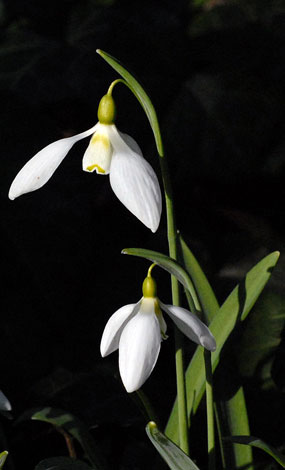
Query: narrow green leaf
column 261, row 338
column 175, row 458
column 170, row 265
column 205, row 292
column 255, row 442
column 235, row 308
column 232, row 419
column 139, row 93
column 231, row 414
column 3, row 457
column 74, row 427
column 62, row 463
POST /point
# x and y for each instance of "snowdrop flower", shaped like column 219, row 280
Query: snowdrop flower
column 138, row 329
column 109, row 152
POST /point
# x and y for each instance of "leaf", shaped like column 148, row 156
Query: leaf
column 255, row 442
column 139, row 93
column 205, row 292
column 3, row 457
column 62, row 463
column 71, row 425
column 231, row 414
column 232, row 419
column 170, row 265
column 235, row 308
column 173, row 455
column 261, row 337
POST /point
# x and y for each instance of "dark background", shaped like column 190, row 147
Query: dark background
column 215, row 73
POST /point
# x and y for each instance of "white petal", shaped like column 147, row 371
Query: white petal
column 134, row 182
column 131, row 142
column 39, row 169
column 191, row 326
column 98, row 154
column 113, row 329
column 4, row 402
column 139, row 347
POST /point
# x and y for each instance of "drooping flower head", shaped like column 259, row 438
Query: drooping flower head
column 138, row 329
column 109, row 152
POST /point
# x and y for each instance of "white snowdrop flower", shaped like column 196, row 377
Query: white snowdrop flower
column 138, row 329
column 109, row 152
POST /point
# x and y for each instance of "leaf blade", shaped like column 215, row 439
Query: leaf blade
column 73, row 426
column 235, row 308
column 175, row 458
column 260, row 444
column 203, row 288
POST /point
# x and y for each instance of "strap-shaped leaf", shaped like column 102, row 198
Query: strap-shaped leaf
column 175, row 458
column 62, row 463
column 71, row 425
column 235, row 308
column 3, row 457
column 255, row 442
column 231, row 414
column 204, row 291
column 139, row 93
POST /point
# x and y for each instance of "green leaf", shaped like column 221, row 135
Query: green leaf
column 232, row 419
column 255, row 442
column 139, row 93
column 3, row 457
column 205, row 292
column 170, row 265
column 72, row 426
column 175, row 458
column 231, row 414
column 261, row 337
column 235, row 308
column 62, row 463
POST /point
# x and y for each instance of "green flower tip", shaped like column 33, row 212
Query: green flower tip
column 107, row 110
column 152, row 426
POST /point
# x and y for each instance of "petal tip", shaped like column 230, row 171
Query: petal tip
column 208, row 342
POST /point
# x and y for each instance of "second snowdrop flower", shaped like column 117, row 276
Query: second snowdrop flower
column 110, row 152
column 138, row 329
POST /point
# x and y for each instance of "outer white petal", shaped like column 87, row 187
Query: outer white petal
column 39, row 169
column 4, row 402
column 113, row 329
column 131, row 142
column 191, row 326
column 134, row 182
column 139, row 347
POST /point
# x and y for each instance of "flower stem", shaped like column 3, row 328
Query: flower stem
column 172, row 244
column 210, row 410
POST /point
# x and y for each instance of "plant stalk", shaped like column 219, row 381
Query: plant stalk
column 172, row 244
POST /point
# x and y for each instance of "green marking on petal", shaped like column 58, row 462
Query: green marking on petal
column 92, row 167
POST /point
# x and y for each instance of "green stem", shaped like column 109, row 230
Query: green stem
column 210, row 410
column 172, row 244
column 147, row 406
